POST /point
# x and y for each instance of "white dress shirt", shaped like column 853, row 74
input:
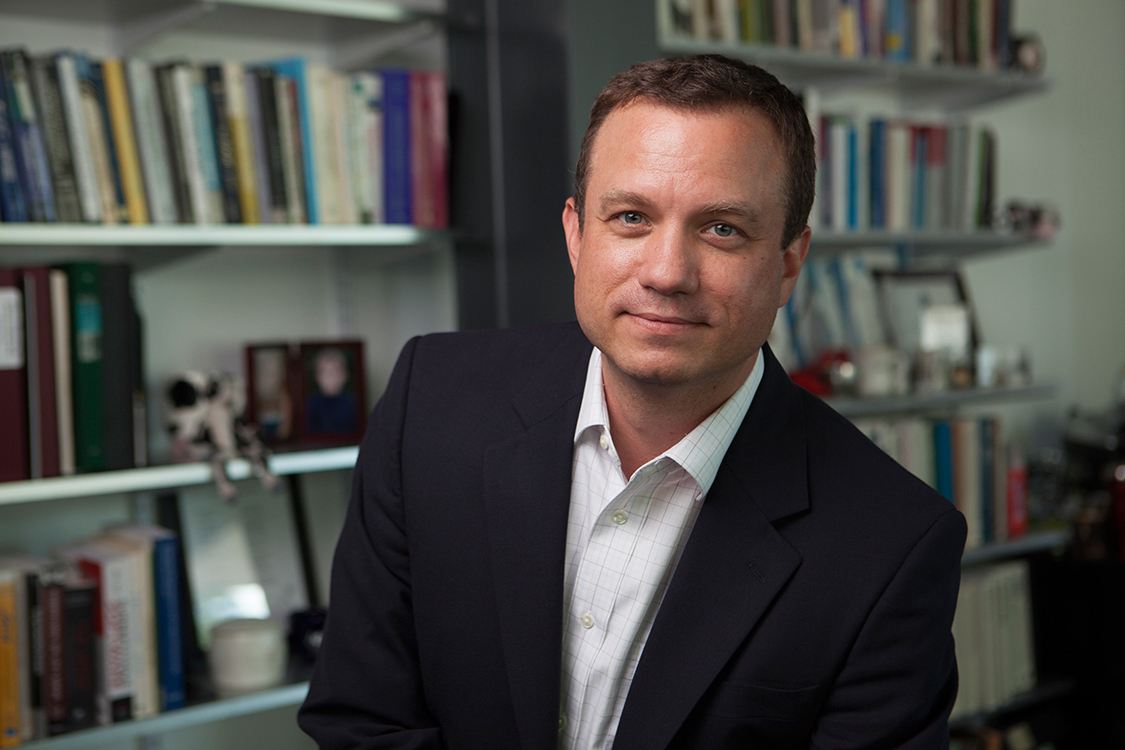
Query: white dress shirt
column 624, row 538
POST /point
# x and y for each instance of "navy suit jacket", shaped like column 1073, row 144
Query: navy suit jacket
column 811, row 607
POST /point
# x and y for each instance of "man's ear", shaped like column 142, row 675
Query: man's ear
column 573, row 229
column 792, row 259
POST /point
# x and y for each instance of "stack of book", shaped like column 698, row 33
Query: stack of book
column 126, row 141
column 92, row 636
column 71, row 375
column 894, row 175
column 947, row 32
column 993, row 633
column 967, row 461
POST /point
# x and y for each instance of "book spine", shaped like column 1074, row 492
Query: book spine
column 373, row 127
column 64, row 393
column 438, row 133
column 41, row 381
column 297, row 72
column 223, row 144
column 918, row 139
column 13, row 205
column 111, row 636
column 359, row 166
column 421, row 194
column 31, row 156
column 169, row 628
column 191, row 114
column 258, row 148
column 396, row 147
column 342, row 156
column 278, row 207
column 121, row 122
column 295, row 182
column 86, row 358
column 117, row 364
column 172, row 124
column 9, row 663
column 54, row 668
column 14, row 459
column 234, row 85
column 322, row 135
column 34, row 648
column 156, row 166
column 47, row 93
column 943, row 458
column 81, row 151
column 108, row 136
column 79, row 657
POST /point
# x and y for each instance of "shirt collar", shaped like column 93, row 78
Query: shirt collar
column 700, row 451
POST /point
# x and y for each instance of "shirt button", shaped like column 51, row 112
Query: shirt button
column 587, row 620
column 620, row 517
column 603, row 441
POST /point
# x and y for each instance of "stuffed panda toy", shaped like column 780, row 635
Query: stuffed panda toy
column 205, row 424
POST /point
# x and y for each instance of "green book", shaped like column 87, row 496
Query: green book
column 86, row 364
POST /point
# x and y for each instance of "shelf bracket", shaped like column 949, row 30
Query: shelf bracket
column 137, row 32
column 357, row 53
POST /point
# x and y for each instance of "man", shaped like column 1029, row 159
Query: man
column 640, row 534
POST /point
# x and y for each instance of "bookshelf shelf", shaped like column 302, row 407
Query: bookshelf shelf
column 117, row 735
column 1039, row 541
column 165, row 477
column 947, row 86
column 960, row 244
column 936, row 402
column 233, row 235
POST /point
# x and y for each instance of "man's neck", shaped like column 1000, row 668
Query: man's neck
column 646, row 419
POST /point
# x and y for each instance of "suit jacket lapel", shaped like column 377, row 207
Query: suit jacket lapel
column 733, row 566
column 527, row 496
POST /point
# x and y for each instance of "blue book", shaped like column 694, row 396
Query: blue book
column 1004, row 34
column 90, row 73
column 13, row 207
column 877, row 158
column 896, row 31
column 31, row 156
column 853, row 176
column 397, row 182
column 943, row 458
column 918, row 176
column 297, row 69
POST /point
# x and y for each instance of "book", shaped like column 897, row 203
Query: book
column 78, row 135
column 27, row 136
column 14, row 463
column 28, row 635
column 110, row 136
column 64, row 392
column 100, row 136
column 220, row 135
column 172, row 122
column 113, row 572
column 84, row 283
column 13, row 206
column 162, row 546
column 10, row 671
column 292, row 149
column 122, row 382
column 124, row 137
column 277, row 208
column 47, row 95
column 398, row 191
column 42, row 404
column 967, row 478
column 155, row 157
column 259, row 160
column 70, row 680
column 294, row 71
column 234, row 88
column 943, row 458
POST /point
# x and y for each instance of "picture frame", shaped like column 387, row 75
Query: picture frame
column 272, row 391
column 332, row 403
column 904, row 295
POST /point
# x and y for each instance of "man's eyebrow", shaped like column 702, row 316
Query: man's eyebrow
column 739, row 210
column 616, row 198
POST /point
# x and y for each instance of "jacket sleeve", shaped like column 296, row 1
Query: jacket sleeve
column 366, row 690
column 897, row 687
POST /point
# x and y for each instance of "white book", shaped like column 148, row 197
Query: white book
column 972, row 179
column 343, row 156
column 151, row 143
column 966, row 477
column 927, row 32
column 727, row 21
column 79, row 136
column 60, row 336
column 373, row 133
column 142, row 622
column 323, row 143
column 898, row 176
column 838, row 151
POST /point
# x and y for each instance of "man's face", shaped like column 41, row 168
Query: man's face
column 679, row 269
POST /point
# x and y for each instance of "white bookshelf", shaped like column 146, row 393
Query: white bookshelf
column 947, row 86
column 943, row 401
column 119, row 735
column 959, row 245
column 218, row 235
column 169, row 477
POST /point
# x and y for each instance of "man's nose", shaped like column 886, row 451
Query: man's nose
column 669, row 263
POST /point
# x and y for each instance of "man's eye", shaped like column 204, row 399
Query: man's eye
column 724, row 230
column 631, row 217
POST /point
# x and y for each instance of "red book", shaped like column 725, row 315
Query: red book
column 421, row 198
column 42, row 408
column 13, row 386
column 437, row 132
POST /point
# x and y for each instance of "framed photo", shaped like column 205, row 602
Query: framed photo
column 333, row 406
column 271, row 391
column 918, row 306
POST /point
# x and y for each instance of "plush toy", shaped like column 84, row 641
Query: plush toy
column 205, row 424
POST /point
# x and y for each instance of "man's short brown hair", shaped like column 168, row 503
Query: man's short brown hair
column 708, row 83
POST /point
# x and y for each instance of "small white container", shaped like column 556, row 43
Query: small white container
column 246, row 655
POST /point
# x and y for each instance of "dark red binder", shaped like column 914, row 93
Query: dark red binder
column 13, row 387
column 42, row 407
